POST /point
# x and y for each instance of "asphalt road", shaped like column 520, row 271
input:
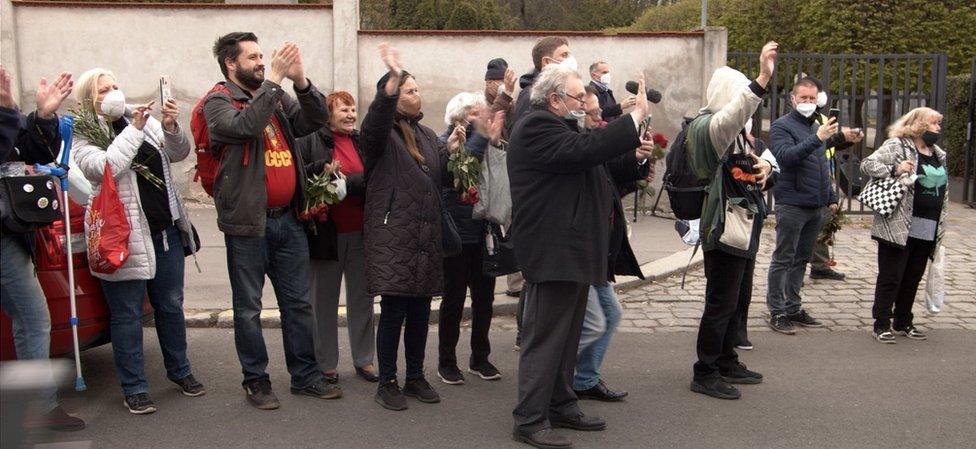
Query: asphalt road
column 822, row 390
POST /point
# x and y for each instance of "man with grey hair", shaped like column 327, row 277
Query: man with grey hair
column 600, row 80
column 561, row 214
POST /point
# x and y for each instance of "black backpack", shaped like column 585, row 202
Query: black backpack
column 686, row 192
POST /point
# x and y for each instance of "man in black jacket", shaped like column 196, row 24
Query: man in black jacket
column 34, row 139
column 600, row 80
column 603, row 311
column 561, row 221
column 258, row 193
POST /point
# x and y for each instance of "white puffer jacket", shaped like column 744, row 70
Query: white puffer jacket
column 91, row 160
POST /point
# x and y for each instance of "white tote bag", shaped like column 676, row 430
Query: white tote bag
column 935, row 284
column 495, row 204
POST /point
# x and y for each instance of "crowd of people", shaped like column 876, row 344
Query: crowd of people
column 572, row 153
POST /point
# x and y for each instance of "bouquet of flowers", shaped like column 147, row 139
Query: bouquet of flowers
column 321, row 191
column 87, row 125
column 644, row 187
column 836, row 223
column 467, row 172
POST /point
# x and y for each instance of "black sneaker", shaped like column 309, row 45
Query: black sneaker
column 322, row 389
column 450, row 375
column 911, row 332
column 139, row 404
column 421, row 390
column 804, row 319
column 485, row 370
column 741, row 375
column 259, row 395
column 884, row 336
column 190, row 387
column 744, row 344
column 780, row 323
column 828, row 274
column 716, row 388
column 56, row 419
column 389, row 396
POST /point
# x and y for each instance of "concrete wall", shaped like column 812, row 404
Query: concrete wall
column 446, row 63
column 140, row 42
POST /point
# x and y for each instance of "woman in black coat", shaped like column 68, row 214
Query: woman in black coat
column 405, row 164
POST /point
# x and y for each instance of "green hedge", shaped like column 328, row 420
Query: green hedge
column 954, row 123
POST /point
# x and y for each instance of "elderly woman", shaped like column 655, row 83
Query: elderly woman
column 405, row 166
column 909, row 236
column 139, row 149
column 464, row 271
column 336, row 248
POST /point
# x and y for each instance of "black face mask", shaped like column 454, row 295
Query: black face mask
column 930, row 138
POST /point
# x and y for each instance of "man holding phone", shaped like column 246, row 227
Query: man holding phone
column 819, row 262
column 804, row 197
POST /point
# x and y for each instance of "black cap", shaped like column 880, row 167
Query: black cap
column 496, row 69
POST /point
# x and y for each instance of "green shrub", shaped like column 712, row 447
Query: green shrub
column 955, row 121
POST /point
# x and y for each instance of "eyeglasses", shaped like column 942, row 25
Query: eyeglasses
column 580, row 99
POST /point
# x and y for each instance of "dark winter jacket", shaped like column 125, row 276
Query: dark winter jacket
column 609, row 108
column 472, row 231
column 522, row 104
column 32, row 140
column 402, row 222
column 805, row 171
column 623, row 172
column 561, row 196
column 237, row 137
column 317, row 151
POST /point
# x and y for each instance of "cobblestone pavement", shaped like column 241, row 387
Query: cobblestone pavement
column 841, row 305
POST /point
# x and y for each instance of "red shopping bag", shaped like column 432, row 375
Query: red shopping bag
column 108, row 228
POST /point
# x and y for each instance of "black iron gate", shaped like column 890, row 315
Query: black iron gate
column 871, row 91
column 969, row 173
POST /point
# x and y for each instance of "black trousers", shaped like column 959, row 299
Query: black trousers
column 551, row 326
column 899, row 272
column 397, row 313
column 460, row 273
column 728, row 289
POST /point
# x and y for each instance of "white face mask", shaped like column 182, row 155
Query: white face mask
column 822, row 99
column 113, row 104
column 806, row 109
column 341, row 191
column 570, row 62
column 605, row 79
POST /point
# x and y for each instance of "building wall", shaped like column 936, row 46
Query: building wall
column 141, row 42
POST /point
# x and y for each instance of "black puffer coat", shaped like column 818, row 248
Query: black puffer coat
column 402, row 223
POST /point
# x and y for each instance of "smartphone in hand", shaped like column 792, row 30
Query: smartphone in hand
column 834, row 113
column 165, row 89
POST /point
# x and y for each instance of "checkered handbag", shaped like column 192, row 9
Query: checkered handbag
column 883, row 195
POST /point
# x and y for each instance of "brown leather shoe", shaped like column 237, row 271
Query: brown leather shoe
column 57, row 419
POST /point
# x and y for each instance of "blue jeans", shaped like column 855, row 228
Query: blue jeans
column 797, row 229
column 282, row 254
column 23, row 301
column 166, row 296
column 602, row 317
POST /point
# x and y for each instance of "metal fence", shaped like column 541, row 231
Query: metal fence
column 871, row 91
column 969, row 173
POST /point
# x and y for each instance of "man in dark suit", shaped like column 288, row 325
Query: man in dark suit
column 600, row 80
column 562, row 209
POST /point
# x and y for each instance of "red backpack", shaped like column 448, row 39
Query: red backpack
column 207, row 161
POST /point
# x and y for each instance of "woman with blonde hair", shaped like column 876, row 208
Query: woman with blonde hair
column 910, row 235
column 139, row 149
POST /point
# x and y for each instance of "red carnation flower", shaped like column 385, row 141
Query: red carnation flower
column 304, row 215
column 660, row 140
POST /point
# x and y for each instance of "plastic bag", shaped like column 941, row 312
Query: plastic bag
column 494, row 189
column 107, row 228
column 935, row 284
